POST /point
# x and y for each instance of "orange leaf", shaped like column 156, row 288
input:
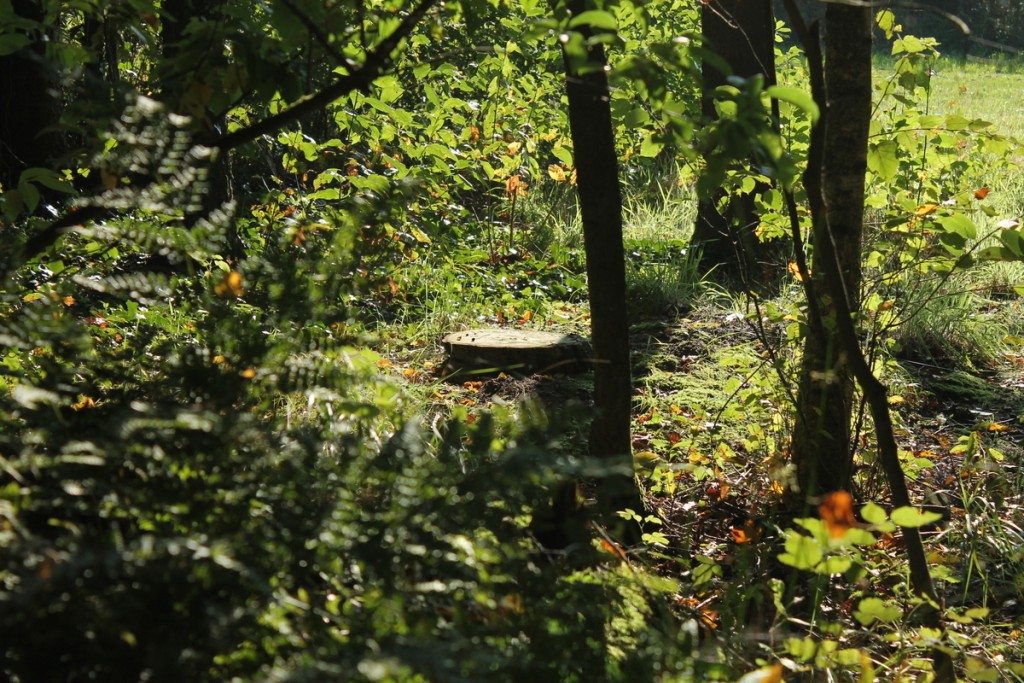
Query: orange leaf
column 231, row 285
column 526, row 317
column 739, row 535
column 674, row 437
column 748, row 533
column 926, row 209
column 766, row 674
column 83, row 403
column 981, row 192
column 794, row 270
column 248, row 373
column 612, row 549
column 837, row 513
column 68, row 300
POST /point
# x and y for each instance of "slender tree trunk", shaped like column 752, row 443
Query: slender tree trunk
column 742, row 32
column 821, row 441
column 600, row 200
column 28, row 105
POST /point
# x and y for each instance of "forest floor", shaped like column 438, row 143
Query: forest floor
column 713, row 395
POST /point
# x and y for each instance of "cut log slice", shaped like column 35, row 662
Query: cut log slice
column 519, row 352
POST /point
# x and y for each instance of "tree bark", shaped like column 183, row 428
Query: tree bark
column 821, row 441
column 742, row 32
column 28, row 104
column 597, row 184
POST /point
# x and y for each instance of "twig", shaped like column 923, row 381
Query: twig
column 318, row 35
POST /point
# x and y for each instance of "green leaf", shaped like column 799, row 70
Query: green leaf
column 801, row 552
column 835, row 565
column 12, row 42
column 908, row 45
column 871, row 610
column 959, row 224
column 596, row 19
column 886, row 21
column 883, row 160
column 797, row 97
column 874, row 514
column 911, row 517
column 650, row 148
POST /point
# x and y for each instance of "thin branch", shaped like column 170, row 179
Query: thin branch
column 319, row 35
column 378, row 60
column 371, row 69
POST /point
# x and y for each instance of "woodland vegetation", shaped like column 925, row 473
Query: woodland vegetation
column 233, row 234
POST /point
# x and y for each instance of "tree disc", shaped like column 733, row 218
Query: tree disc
column 514, row 351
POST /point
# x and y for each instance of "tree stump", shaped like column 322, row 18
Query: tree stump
column 520, row 352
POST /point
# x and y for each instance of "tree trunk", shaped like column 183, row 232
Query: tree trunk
column 742, row 32
column 28, row 105
column 600, row 200
column 821, row 441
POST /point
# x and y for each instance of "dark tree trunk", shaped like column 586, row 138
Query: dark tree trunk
column 600, row 200
column 821, row 441
column 742, row 32
column 29, row 103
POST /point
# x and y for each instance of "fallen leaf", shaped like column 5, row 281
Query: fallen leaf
column 248, row 373
column 68, row 301
column 981, row 192
column 748, row 533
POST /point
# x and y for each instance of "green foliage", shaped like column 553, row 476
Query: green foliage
column 207, row 471
column 203, row 479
